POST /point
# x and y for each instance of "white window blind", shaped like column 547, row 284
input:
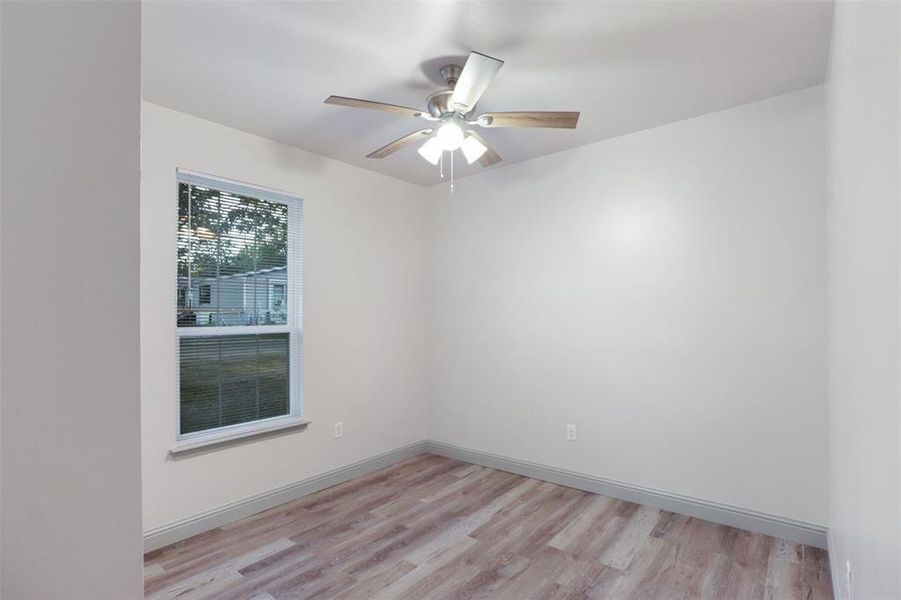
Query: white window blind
column 238, row 306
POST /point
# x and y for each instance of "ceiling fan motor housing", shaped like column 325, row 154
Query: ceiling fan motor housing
column 439, row 102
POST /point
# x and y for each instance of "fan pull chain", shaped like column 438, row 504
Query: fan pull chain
column 441, row 165
column 452, row 172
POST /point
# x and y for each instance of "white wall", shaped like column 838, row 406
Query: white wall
column 864, row 263
column 664, row 291
column 71, row 505
column 365, row 318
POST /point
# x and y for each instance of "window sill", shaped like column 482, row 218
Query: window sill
column 186, row 446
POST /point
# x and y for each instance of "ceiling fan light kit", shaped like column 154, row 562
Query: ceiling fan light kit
column 451, row 109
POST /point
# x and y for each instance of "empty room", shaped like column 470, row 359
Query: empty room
column 450, row 300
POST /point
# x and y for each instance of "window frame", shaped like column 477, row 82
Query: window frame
column 293, row 327
column 284, row 293
column 209, row 294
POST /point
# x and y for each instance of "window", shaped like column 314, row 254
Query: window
column 238, row 309
column 278, row 296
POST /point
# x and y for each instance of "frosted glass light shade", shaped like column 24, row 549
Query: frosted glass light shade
column 450, row 135
column 431, row 150
column 472, row 149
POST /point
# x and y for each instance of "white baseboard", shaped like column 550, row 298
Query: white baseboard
column 795, row 531
column 229, row 513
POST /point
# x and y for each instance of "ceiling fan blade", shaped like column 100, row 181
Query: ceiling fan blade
column 560, row 120
column 403, row 111
column 491, row 156
column 477, row 75
column 396, row 145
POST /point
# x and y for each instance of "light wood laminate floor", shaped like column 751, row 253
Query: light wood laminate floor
column 432, row 527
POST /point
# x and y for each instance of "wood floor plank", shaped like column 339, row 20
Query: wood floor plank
column 167, row 586
column 637, row 530
column 425, row 572
column 581, row 523
column 433, row 527
column 372, row 586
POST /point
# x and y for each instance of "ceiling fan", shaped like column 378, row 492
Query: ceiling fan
column 451, row 113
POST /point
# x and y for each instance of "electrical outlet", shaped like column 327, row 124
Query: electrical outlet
column 848, row 578
column 571, row 432
column 339, row 429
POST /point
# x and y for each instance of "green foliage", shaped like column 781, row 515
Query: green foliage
column 228, row 234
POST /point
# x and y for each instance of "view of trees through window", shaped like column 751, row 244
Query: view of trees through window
column 232, row 251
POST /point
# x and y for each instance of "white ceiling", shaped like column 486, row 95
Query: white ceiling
column 266, row 67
